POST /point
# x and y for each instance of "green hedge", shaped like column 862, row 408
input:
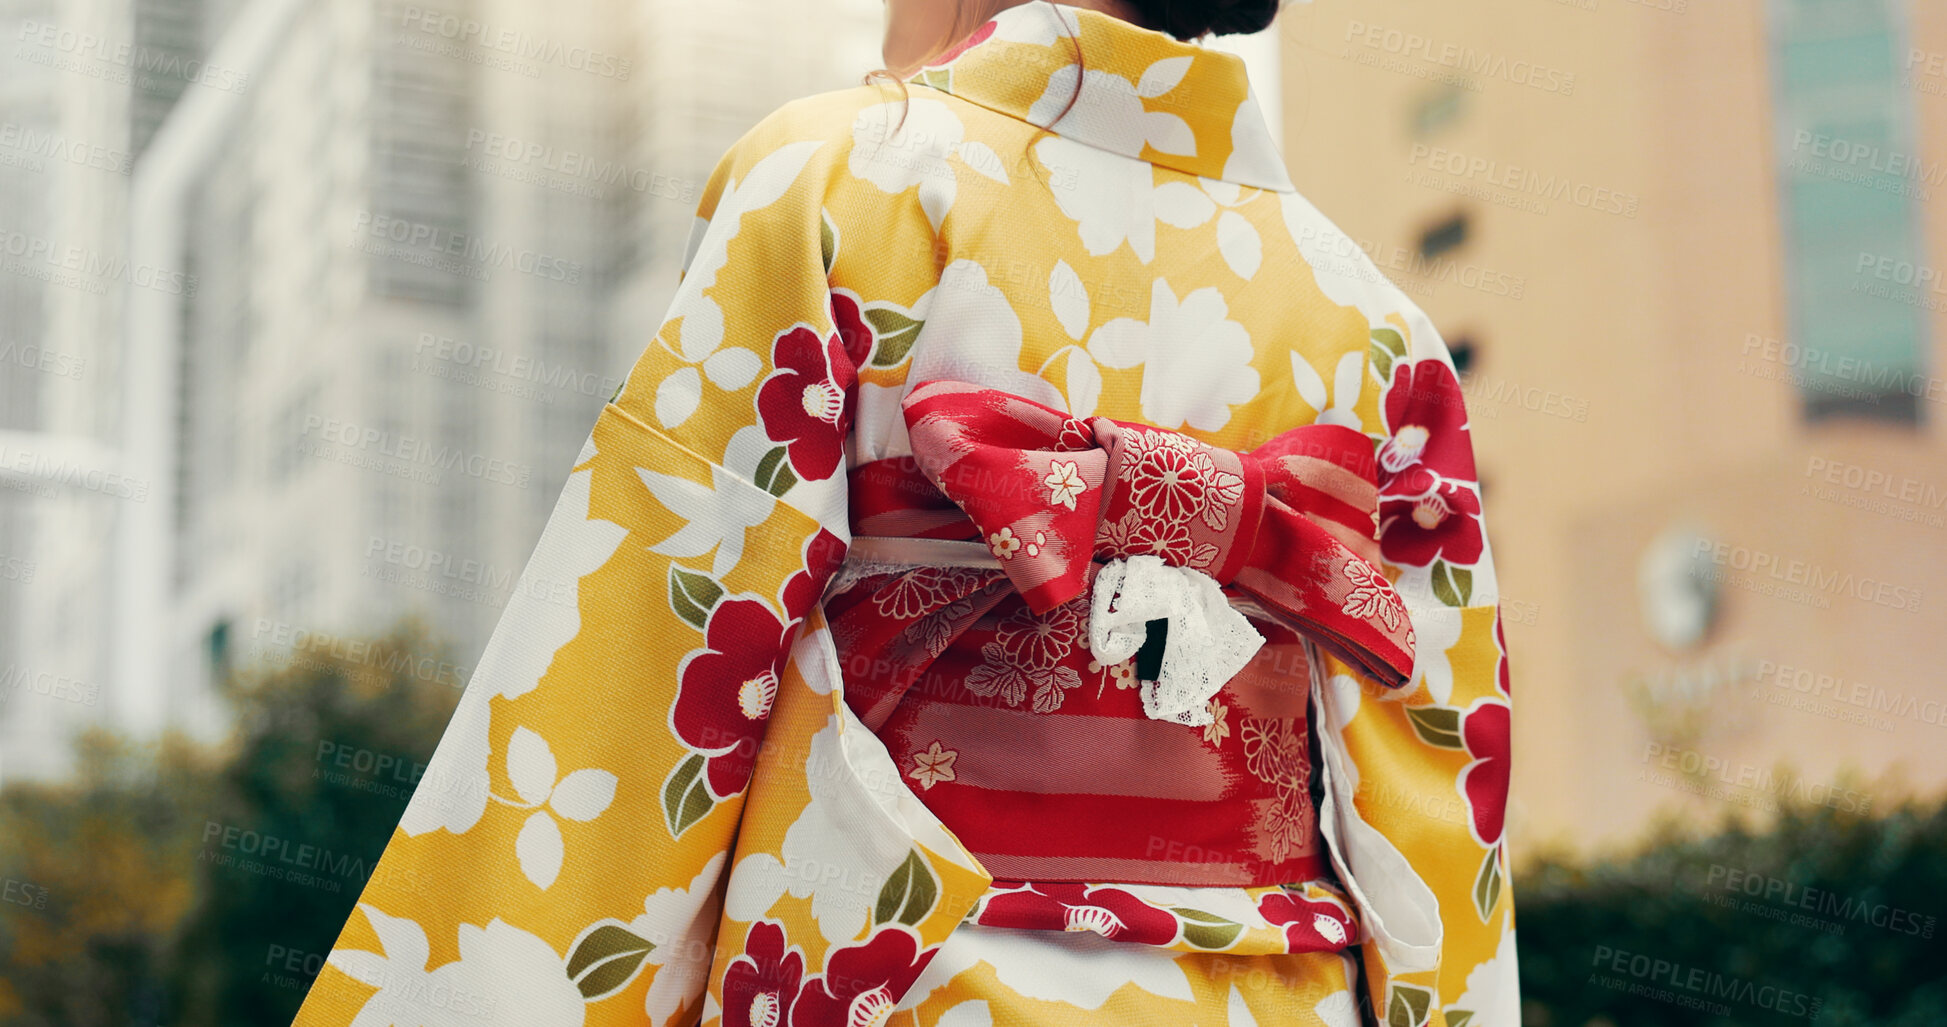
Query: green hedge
column 1819, row 917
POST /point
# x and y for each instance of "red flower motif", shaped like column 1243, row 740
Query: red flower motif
column 1042, row 641
column 1075, row 436
column 760, row 985
column 917, row 592
column 854, row 331
column 979, row 36
column 1427, row 420
column 1166, row 478
column 806, row 402
column 1075, row 906
column 822, row 557
column 1484, row 783
column 1501, row 662
column 1422, row 517
column 1309, row 925
column 862, row 981
column 727, row 688
column 1132, row 534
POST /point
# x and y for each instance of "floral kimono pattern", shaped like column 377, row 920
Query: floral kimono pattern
column 685, row 794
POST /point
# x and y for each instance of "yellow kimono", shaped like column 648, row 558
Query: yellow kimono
column 655, row 804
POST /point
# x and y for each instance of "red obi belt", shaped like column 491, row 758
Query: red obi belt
column 1082, row 640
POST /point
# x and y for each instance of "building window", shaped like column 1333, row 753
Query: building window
column 1461, row 348
column 1444, row 236
column 218, row 641
column 1849, row 177
column 1438, row 108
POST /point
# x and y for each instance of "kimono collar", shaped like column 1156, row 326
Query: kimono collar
column 1144, row 93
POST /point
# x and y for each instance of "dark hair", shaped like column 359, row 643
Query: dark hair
column 1188, row 19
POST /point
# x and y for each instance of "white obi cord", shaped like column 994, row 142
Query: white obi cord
column 1206, row 644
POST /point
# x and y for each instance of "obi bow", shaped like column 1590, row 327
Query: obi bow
column 1291, row 524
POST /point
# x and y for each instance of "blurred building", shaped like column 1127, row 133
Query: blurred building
column 1689, row 256
column 397, row 256
column 27, row 116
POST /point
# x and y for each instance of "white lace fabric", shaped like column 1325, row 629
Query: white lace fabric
column 1207, row 640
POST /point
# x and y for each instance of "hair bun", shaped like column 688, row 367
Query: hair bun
column 1188, row 19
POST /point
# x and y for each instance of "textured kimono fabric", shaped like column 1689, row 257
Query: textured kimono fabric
column 654, row 805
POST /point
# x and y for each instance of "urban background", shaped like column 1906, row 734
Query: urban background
column 306, row 307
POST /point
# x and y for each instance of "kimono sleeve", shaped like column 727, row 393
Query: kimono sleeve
column 1418, row 777
column 563, row 859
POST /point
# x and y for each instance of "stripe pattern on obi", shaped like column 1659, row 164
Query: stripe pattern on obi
column 978, row 653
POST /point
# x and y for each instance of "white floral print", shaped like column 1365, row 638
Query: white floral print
column 1064, row 483
column 1196, row 361
column 933, row 765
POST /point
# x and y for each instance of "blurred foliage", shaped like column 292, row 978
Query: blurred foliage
column 1838, row 907
column 204, row 886
column 172, row 884
column 98, row 872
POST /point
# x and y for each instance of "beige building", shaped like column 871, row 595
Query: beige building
column 1691, row 255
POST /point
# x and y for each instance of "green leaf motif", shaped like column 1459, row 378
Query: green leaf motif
column 774, row 472
column 1207, row 930
column 894, row 333
column 1382, row 361
column 1463, row 583
column 605, row 959
column 1443, row 584
column 938, row 78
column 1487, row 884
column 827, row 240
column 1459, row 1017
column 686, row 798
column 909, row 892
column 1409, row 1006
column 693, row 595
column 1438, row 726
column 1390, row 341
